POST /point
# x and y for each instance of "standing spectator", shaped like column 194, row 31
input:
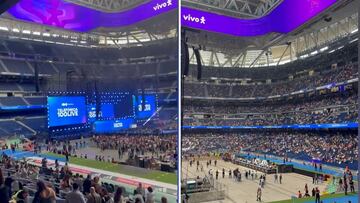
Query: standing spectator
column 313, row 192
column 78, row 180
column 8, row 181
column 140, row 190
column 352, row 188
column 150, row 197
column 87, row 184
column 299, row 194
column 44, row 194
column 67, row 156
column 346, row 187
column 317, row 195
column 258, row 194
column 118, row 198
column 137, row 195
column 75, row 196
column 93, row 197
column 4, row 191
column 96, row 184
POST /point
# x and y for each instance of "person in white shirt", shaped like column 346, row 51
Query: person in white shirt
column 75, row 196
column 138, row 196
column 150, row 196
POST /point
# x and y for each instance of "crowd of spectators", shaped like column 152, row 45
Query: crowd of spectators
column 235, row 90
column 118, row 148
column 158, row 146
column 38, row 184
column 326, row 109
column 333, row 148
column 292, row 118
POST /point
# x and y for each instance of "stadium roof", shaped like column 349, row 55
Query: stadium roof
column 278, row 35
column 91, row 22
column 109, row 5
column 70, row 16
column 237, row 8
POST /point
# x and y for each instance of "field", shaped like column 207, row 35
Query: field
column 340, row 197
column 160, row 176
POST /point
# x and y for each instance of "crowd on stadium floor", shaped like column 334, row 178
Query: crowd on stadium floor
column 137, row 145
column 26, row 183
column 332, row 148
column 344, row 183
column 152, row 148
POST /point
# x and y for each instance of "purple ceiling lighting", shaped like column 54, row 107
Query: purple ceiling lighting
column 286, row 17
column 66, row 15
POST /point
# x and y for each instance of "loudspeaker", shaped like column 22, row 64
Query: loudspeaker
column 198, row 61
column 185, row 61
column 142, row 94
column 36, row 74
column 97, row 100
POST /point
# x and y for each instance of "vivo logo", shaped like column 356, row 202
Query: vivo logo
column 190, row 18
column 163, row 5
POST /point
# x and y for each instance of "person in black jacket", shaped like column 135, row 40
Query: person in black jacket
column 8, row 182
column 87, row 184
column 317, row 195
column 4, row 191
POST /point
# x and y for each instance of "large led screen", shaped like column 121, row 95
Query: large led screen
column 66, row 110
column 149, row 107
column 111, row 126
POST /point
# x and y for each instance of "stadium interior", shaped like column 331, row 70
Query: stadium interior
column 88, row 101
column 269, row 116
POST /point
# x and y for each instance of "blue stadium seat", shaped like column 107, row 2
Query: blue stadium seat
column 9, row 87
column 12, row 101
column 36, row 100
column 11, row 128
column 17, row 66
